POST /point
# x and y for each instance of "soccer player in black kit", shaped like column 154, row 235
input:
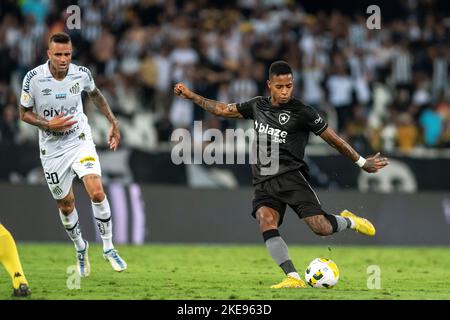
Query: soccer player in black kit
column 287, row 121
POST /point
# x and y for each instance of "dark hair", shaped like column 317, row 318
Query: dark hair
column 279, row 67
column 60, row 37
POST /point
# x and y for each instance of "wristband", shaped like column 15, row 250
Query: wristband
column 361, row 161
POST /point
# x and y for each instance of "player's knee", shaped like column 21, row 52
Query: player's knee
column 98, row 195
column 66, row 206
column 267, row 220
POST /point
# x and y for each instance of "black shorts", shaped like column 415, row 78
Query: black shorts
column 290, row 188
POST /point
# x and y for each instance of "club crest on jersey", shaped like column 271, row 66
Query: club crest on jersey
column 75, row 88
column 57, row 191
column 283, row 118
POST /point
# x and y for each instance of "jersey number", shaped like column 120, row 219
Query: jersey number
column 52, row 178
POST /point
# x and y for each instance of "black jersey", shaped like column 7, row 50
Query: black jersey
column 288, row 126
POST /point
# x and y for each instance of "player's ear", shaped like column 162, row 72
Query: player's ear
column 268, row 84
column 49, row 53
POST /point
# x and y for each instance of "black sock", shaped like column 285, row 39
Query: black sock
column 288, row 267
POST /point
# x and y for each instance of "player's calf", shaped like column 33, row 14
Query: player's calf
column 268, row 222
column 320, row 225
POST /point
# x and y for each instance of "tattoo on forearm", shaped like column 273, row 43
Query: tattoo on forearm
column 217, row 108
column 208, row 104
column 41, row 123
column 33, row 118
column 100, row 102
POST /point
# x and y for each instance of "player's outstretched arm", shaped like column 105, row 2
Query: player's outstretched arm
column 100, row 102
column 371, row 164
column 57, row 123
column 215, row 107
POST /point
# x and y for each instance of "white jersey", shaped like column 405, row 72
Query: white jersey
column 50, row 97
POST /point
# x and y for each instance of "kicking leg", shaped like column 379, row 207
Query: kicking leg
column 69, row 217
column 102, row 214
column 268, row 222
column 327, row 224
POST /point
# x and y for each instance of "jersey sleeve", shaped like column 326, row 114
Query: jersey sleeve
column 27, row 94
column 88, row 84
column 247, row 108
column 314, row 122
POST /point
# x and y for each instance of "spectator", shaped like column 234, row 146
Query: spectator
column 9, row 125
column 407, row 133
column 340, row 93
column 432, row 125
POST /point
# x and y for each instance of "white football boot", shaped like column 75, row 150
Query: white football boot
column 116, row 261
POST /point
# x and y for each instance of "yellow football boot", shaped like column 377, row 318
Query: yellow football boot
column 361, row 225
column 290, row 282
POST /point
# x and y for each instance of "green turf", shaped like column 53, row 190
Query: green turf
column 232, row 272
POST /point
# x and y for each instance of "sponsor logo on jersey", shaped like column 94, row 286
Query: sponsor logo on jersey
column 318, row 120
column 283, row 118
column 63, row 133
column 60, row 95
column 278, row 135
column 57, row 191
column 88, row 165
column 28, row 77
column 46, row 92
column 86, row 159
column 84, row 69
column 54, row 112
column 75, row 88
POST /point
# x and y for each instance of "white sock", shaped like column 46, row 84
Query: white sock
column 72, row 227
column 102, row 214
column 352, row 226
column 294, row 275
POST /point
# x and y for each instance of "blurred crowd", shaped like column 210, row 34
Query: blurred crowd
column 384, row 89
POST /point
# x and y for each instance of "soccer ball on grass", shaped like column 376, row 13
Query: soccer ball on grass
column 322, row 273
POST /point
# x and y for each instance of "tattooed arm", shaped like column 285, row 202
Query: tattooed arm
column 372, row 164
column 100, row 102
column 215, row 107
column 57, row 123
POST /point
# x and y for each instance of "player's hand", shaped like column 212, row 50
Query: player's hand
column 375, row 163
column 181, row 90
column 114, row 137
column 60, row 123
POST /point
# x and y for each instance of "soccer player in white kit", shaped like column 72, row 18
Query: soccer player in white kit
column 51, row 100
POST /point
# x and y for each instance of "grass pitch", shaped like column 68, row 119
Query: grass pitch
column 227, row 272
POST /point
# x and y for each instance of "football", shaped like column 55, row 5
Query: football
column 322, row 273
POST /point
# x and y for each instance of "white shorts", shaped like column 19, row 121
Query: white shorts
column 79, row 161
